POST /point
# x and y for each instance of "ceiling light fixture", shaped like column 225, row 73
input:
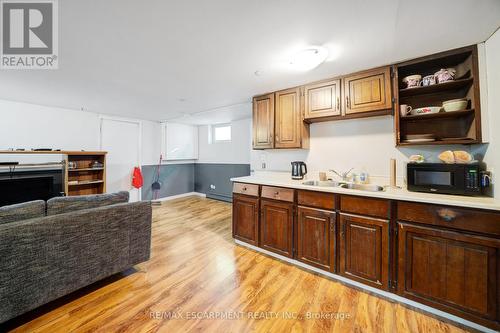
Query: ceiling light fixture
column 309, row 58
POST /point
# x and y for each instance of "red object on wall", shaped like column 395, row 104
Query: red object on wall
column 137, row 180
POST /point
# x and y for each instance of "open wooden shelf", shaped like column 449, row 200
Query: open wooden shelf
column 435, row 88
column 447, row 127
column 85, row 169
column 451, row 114
column 90, row 180
column 88, row 183
column 440, row 142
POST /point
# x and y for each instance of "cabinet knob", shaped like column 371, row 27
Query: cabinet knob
column 244, row 188
column 447, row 215
column 276, row 193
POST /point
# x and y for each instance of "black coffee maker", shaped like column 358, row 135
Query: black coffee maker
column 299, row 169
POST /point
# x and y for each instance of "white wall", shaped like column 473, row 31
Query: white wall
column 360, row 143
column 151, row 142
column 235, row 152
column 492, row 156
column 29, row 126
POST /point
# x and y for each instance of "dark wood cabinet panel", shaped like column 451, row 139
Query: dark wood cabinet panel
column 322, row 100
column 246, row 218
column 276, row 227
column 365, row 206
column 316, row 199
column 364, row 250
column 452, row 271
column 368, row 91
column 288, row 119
column 263, row 122
column 278, row 193
column 316, row 238
column 450, row 217
column 248, row 189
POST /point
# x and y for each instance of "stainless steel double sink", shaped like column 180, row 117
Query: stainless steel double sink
column 351, row 186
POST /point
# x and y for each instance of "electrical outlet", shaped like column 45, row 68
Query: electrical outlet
column 212, row 186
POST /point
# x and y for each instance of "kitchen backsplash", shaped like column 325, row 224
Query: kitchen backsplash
column 363, row 144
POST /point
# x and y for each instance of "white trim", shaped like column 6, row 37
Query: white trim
column 372, row 290
column 172, row 197
column 139, row 139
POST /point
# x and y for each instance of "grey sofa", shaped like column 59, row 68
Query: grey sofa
column 48, row 250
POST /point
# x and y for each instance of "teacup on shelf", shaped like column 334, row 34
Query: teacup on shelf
column 412, row 81
column 429, row 80
column 445, row 75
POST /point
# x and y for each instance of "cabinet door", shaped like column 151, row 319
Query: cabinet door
column 276, row 227
column 364, row 250
column 263, row 122
column 322, row 100
column 246, row 218
column 368, row 91
column 316, row 238
column 453, row 271
column 288, row 119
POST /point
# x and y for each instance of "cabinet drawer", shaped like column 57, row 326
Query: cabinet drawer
column 316, row 199
column 248, row 189
column 277, row 193
column 451, row 217
column 365, row 206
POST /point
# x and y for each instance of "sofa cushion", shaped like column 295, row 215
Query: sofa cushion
column 60, row 205
column 22, row 211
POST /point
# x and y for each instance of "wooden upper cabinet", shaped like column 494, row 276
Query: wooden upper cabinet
column 453, row 271
column 368, row 91
column 322, row 100
column 288, row 119
column 364, row 250
column 263, row 122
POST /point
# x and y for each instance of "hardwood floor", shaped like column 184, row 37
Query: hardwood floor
column 196, row 271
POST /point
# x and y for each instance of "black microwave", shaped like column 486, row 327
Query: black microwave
column 459, row 179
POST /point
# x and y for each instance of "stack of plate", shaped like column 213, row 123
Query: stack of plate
column 416, row 138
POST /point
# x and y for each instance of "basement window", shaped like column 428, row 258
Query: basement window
column 221, row 133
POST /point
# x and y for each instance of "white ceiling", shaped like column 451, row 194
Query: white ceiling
column 160, row 59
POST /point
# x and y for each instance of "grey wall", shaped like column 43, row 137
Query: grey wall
column 191, row 177
column 175, row 179
column 218, row 175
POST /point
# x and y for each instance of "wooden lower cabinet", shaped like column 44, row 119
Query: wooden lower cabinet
column 444, row 257
column 316, row 238
column 364, row 250
column 453, row 271
column 246, row 218
column 276, row 227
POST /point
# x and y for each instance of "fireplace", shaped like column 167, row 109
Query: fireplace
column 32, row 184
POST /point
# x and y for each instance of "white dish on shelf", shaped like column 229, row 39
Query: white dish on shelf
column 420, row 136
column 426, row 110
column 455, row 104
column 419, row 140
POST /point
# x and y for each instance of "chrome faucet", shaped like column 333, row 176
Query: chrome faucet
column 343, row 175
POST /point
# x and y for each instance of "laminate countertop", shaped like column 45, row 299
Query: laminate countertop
column 402, row 194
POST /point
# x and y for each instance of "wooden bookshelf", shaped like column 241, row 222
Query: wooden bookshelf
column 457, row 127
column 84, row 178
column 90, row 180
